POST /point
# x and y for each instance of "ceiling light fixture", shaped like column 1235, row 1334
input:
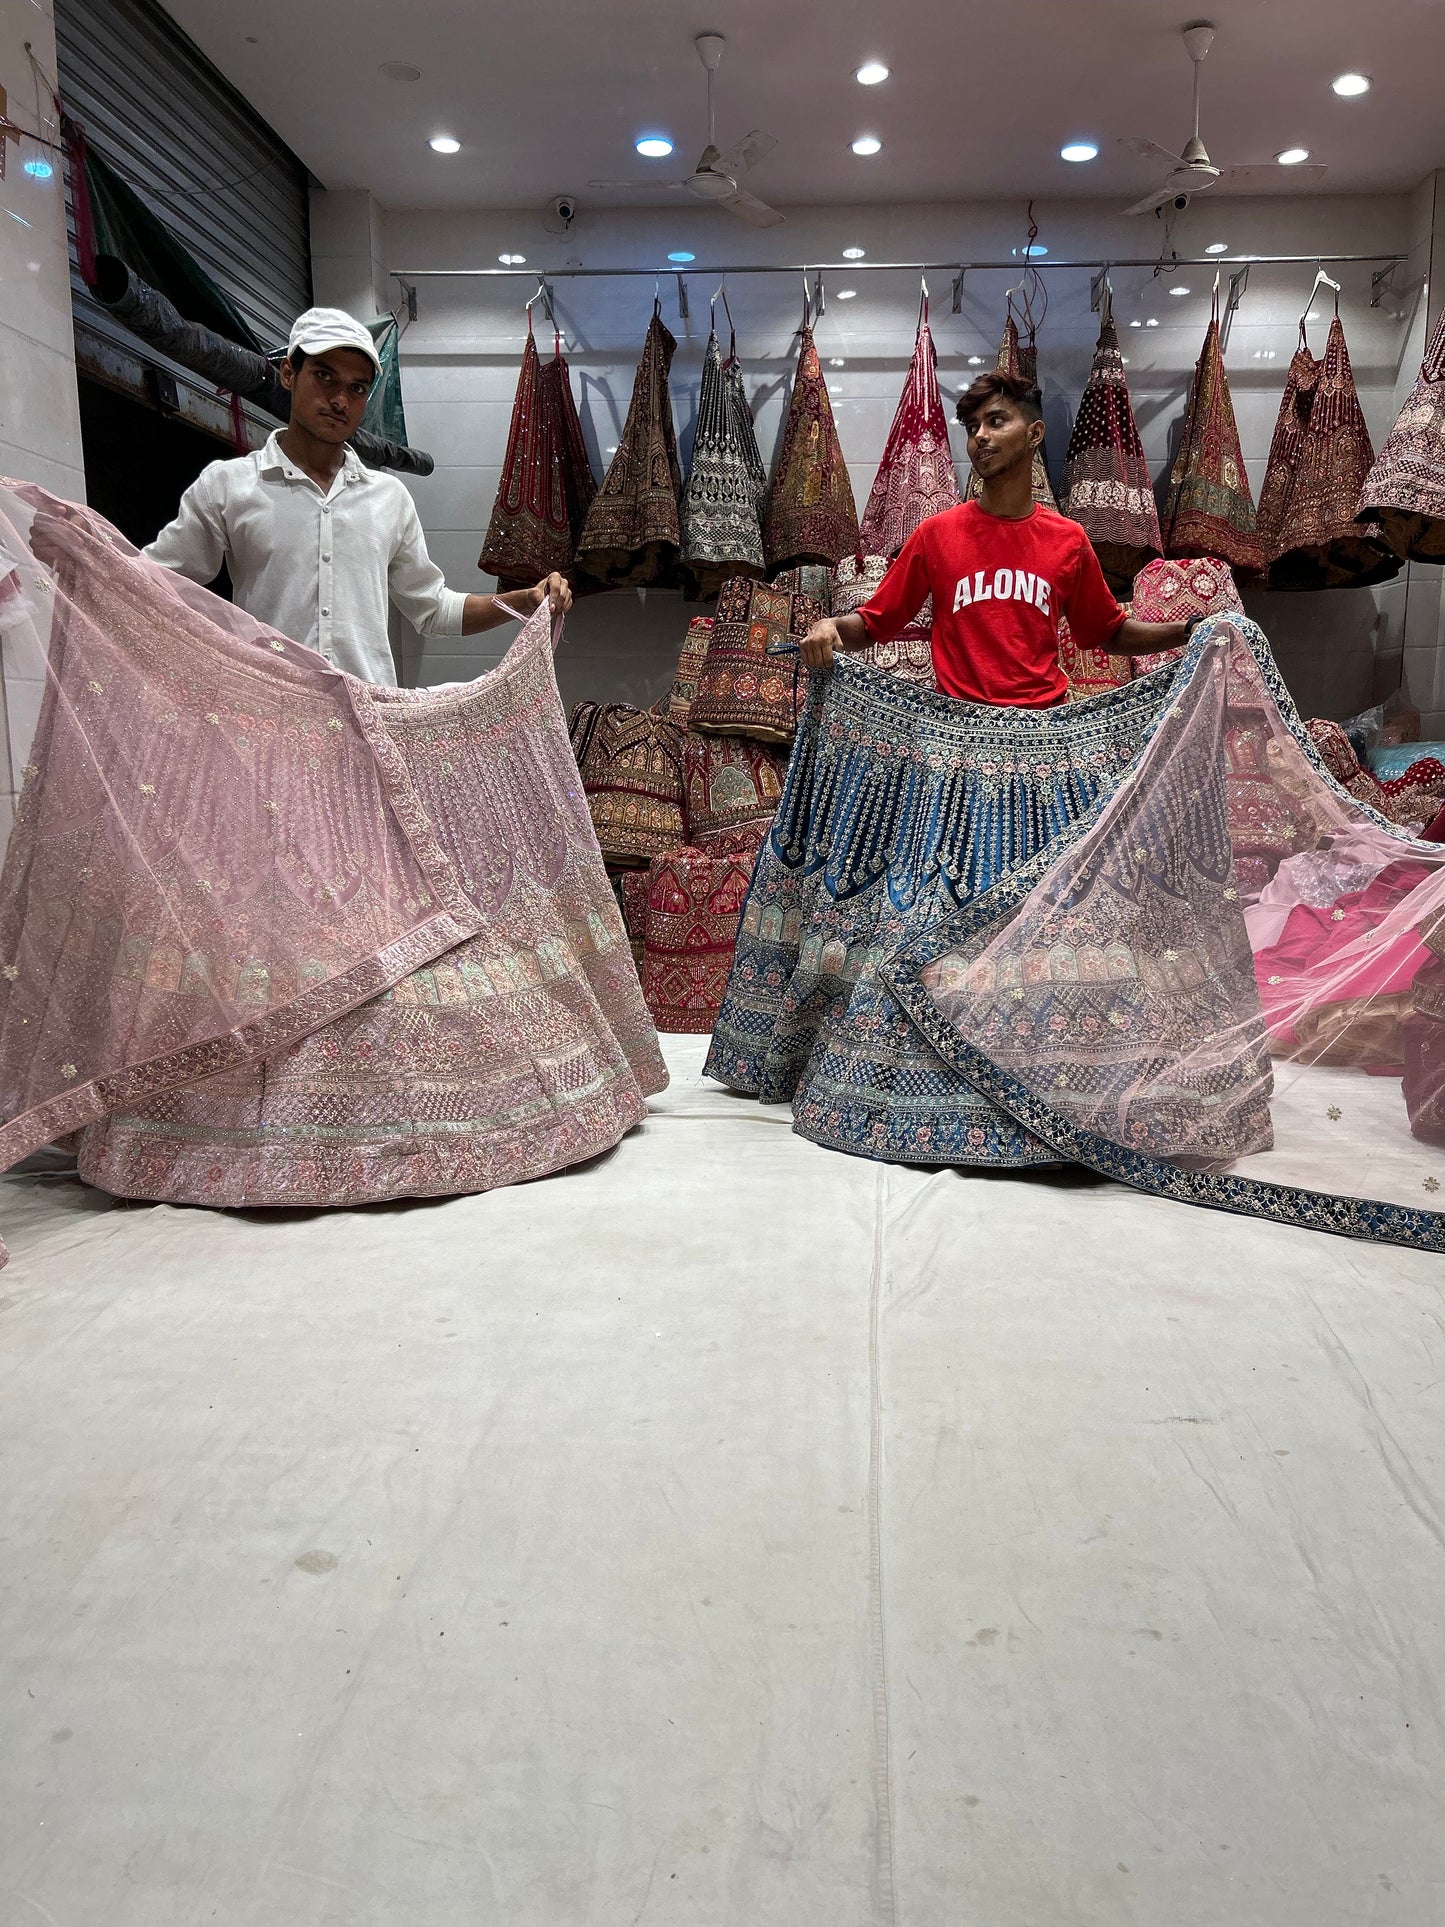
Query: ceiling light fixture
column 870, row 73
column 1079, row 151
column 847, row 294
column 1152, row 322
column 40, row 169
column 444, row 144
column 1350, row 86
column 836, row 361
column 853, row 254
column 1217, row 247
column 681, row 255
column 1136, row 324
column 1292, row 156
column 1031, row 250
column 513, row 260
column 395, row 69
column 654, row 147
column 1179, row 290
column 975, row 361
column 867, row 144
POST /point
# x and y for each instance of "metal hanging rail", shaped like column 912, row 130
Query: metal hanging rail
column 1011, row 266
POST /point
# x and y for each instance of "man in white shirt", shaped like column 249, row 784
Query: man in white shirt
column 317, row 544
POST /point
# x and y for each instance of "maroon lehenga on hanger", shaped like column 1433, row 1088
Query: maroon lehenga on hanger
column 547, row 483
column 1020, row 359
column 1319, row 458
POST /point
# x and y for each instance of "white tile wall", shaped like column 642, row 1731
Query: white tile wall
column 460, row 363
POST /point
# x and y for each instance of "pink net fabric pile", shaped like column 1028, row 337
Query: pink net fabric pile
column 1151, row 998
column 270, row 935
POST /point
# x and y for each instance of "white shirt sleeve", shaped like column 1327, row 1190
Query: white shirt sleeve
column 417, row 586
column 194, row 544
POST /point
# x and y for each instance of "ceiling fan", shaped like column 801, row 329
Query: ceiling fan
column 1192, row 171
column 715, row 178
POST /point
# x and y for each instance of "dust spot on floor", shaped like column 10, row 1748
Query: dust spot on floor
column 318, row 1562
column 61, row 1735
column 985, row 1636
column 970, row 1799
column 1147, row 1632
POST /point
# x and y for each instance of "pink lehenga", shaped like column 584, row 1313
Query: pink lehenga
column 274, row 936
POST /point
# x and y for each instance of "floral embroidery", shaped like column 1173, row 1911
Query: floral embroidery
column 1334, row 1113
column 147, row 789
column 1432, row 1184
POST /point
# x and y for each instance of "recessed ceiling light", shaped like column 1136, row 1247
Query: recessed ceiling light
column 853, row 254
column 1349, row 85
column 513, row 260
column 40, row 169
column 1292, row 156
column 654, row 147
column 1217, row 247
column 847, row 294
column 1079, row 151
column 1136, row 324
column 444, row 144
column 1151, row 322
column 1264, row 354
column 1179, row 290
column 396, row 69
column 867, row 144
column 870, row 73
column 680, row 255
column 1031, row 250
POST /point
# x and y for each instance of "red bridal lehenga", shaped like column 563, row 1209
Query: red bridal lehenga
column 274, row 936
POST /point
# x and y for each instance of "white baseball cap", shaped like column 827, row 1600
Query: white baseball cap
column 322, row 328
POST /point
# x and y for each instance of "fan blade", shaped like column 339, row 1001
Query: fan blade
column 1152, row 151
column 637, row 183
column 1151, row 201
column 1268, row 177
column 745, row 153
column 749, row 208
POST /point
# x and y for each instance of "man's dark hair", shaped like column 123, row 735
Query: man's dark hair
column 984, row 388
column 297, row 359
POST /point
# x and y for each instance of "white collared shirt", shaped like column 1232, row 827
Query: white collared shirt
column 318, row 567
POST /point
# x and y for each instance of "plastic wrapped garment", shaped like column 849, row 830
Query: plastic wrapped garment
column 274, row 936
column 1046, row 956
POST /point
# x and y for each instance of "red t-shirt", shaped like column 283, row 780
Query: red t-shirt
column 998, row 588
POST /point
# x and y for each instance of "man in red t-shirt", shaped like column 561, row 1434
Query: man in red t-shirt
column 1001, row 571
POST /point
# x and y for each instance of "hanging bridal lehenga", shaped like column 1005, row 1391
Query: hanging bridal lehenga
column 547, row 483
column 811, row 515
column 1107, row 489
column 1319, row 458
column 632, row 536
column 1018, row 356
column 1403, row 497
column 1210, row 510
column 726, row 490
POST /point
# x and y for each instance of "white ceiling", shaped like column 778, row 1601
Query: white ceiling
column 547, row 94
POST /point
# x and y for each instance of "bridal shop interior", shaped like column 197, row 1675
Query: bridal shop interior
column 722, row 964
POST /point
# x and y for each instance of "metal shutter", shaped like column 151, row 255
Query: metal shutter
column 196, row 151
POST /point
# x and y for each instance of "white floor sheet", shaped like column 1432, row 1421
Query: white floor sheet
column 728, row 1534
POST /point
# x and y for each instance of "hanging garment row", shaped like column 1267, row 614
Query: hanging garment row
column 1329, row 514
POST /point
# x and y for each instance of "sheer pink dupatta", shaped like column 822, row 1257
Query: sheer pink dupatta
column 210, row 851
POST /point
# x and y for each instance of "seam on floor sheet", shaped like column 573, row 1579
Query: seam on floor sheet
column 885, row 1903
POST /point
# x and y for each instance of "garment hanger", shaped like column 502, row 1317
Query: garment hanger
column 1322, row 280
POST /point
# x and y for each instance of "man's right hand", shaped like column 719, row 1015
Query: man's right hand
column 818, row 645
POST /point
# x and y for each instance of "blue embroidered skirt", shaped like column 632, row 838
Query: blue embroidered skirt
column 900, row 806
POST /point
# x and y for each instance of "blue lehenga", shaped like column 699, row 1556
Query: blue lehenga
column 901, row 806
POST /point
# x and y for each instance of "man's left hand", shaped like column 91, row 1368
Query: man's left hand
column 556, row 590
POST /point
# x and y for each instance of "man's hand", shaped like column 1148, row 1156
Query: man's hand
column 556, row 590
column 818, row 645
